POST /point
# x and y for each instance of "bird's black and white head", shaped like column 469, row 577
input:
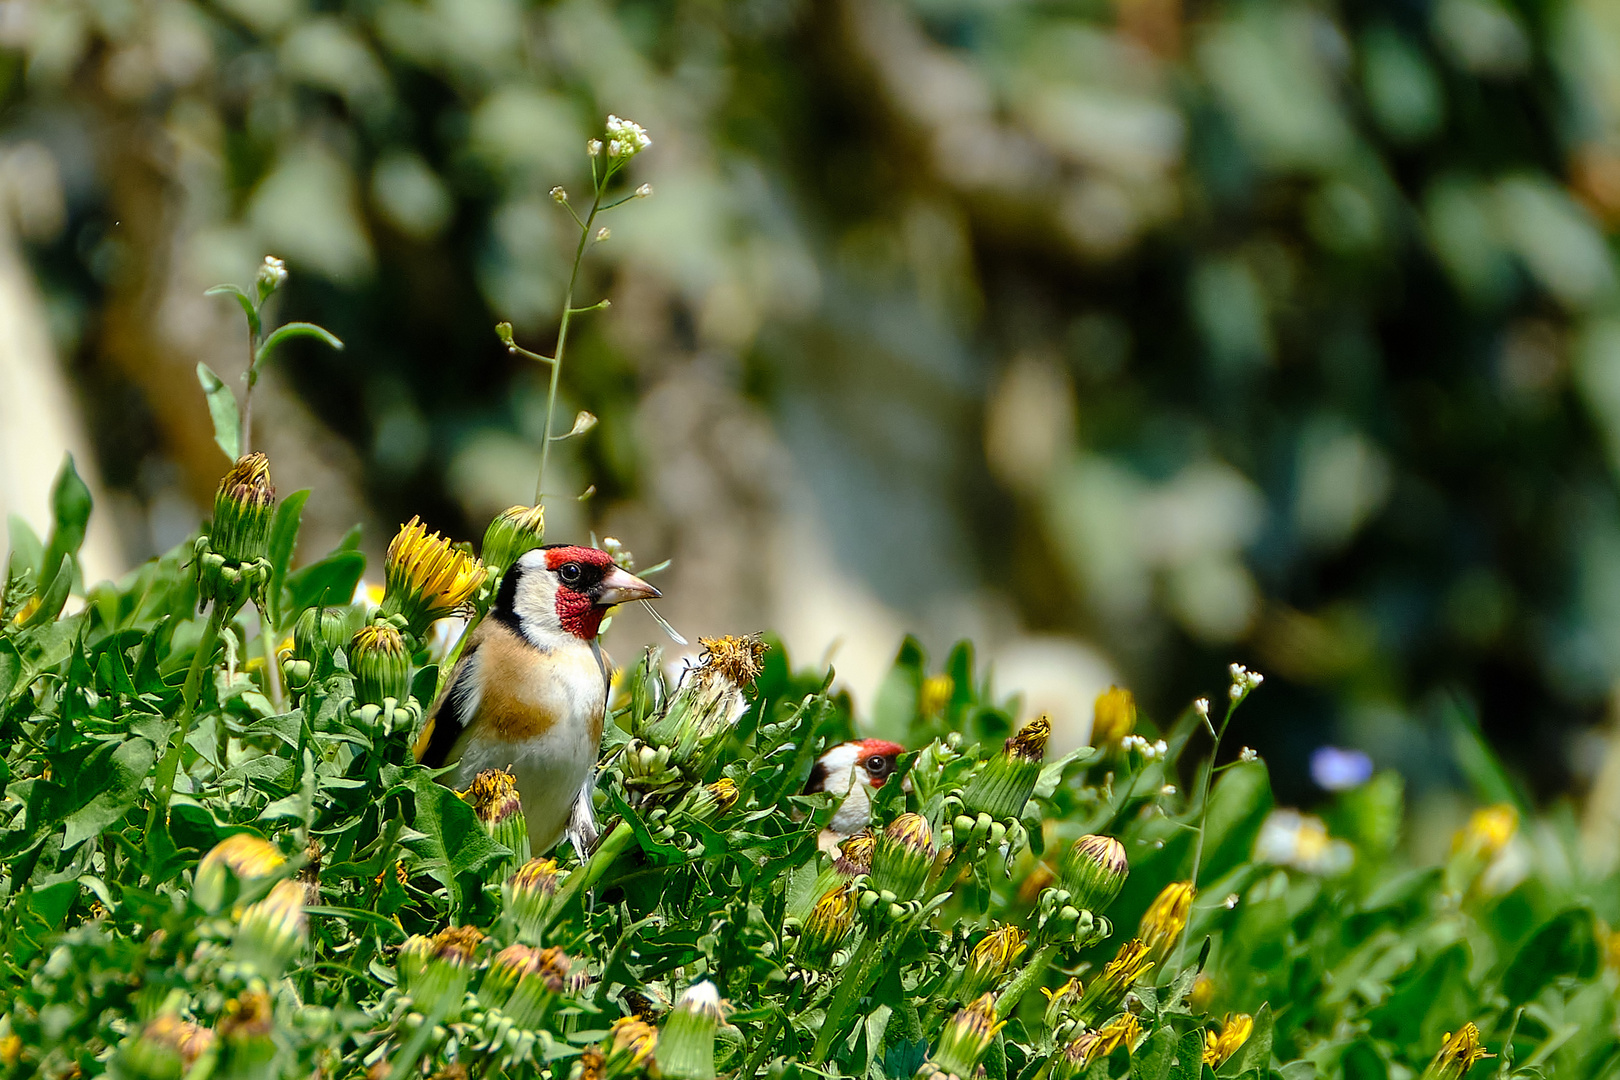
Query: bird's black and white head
column 563, row 591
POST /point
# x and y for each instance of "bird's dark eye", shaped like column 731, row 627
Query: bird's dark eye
column 570, row 573
column 878, row 765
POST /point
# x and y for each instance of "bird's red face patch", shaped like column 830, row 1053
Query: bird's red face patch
column 576, row 611
column 878, row 758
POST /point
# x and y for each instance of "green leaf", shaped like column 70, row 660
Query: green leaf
column 896, row 705
column 283, row 541
column 116, row 784
column 222, row 407
column 330, row 581
column 246, row 301
column 50, row 604
column 1155, row 1057
column 288, row 332
column 27, row 552
column 10, row 668
column 450, row 841
column 1566, row 944
column 70, row 513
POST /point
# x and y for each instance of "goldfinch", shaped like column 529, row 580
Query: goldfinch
column 852, row 770
column 530, row 691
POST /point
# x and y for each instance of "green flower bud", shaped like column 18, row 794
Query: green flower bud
column 902, row 857
column 712, row 800
column 436, row 976
column 528, row 894
column 1123, row 1030
column 991, row 960
column 246, row 1032
column 274, row 930
column 685, row 1048
column 514, row 531
column 233, row 864
column 1059, row 1003
column 967, row 1037
column 1005, row 783
column 426, row 578
column 1094, row 871
column 244, row 507
column 829, row 924
column 524, row 983
column 320, row 632
column 381, row 663
column 629, row 1048
column 166, row 1047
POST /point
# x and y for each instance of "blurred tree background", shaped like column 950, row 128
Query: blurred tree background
column 1129, row 337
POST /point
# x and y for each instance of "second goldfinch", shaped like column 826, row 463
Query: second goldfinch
column 530, row 691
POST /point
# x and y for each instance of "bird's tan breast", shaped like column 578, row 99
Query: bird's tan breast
column 526, row 693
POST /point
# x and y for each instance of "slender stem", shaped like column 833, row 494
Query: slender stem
column 1205, row 774
column 201, row 660
column 272, row 663
column 850, row 988
column 763, row 1052
column 248, row 378
column 1015, row 991
column 589, row 874
column 562, row 336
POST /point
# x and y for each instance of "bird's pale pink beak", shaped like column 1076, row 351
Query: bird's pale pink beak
column 621, row 586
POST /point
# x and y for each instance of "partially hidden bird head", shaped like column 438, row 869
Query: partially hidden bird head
column 870, row 761
column 564, row 590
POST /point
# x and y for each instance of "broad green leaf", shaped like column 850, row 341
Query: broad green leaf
column 1564, row 945
column 287, row 333
column 245, row 301
column 56, row 594
column 27, row 550
column 10, row 668
column 116, row 783
column 283, row 541
column 70, row 513
column 1154, row 1058
column 328, row 582
column 222, row 407
column 451, row 842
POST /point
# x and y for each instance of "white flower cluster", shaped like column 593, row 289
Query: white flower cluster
column 1150, row 751
column 272, row 276
column 1243, row 680
column 1248, row 754
column 1201, row 707
column 626, row 138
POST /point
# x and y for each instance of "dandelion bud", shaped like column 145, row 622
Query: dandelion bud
column 1219, row 1046
column 1123, row 1030
column 166, row 1048
column 935, row 695
column 1460, row 1052
column 1107, row 990
column 903, row 855
column 1005, row 783
column 234, row 863
column 272, row 276
column 855, row 855
column 1059, row 1002
column 495, row 802
column 630, row 1044
column 1113, row 716
column 966, row 1038
column 515, row 530
column 435, row 974
column 246, row 1030
column 426, row 578
column 528, row 895
column 559, row 195
column 707, row 803
column 524, row 983
column 1094, row 870
column 1165, row 919
column 685, row 1049
column 831, row 921
column 990, row 961
column 244, row 505
column 644, row 191
column 320, row 632
column 273, row 931
column 381, row 664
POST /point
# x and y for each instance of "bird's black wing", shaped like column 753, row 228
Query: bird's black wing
column 449, row 716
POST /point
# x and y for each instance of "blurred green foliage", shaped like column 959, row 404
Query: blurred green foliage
column 1183, row 325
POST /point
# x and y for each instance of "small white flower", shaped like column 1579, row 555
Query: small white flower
column 1248, row 754
column 1168, row 789
column 1231, row 901
column 594, row 147
column 628, row 137
column 615, row 149
column 1201, row 707
column 1160, row 748
column 644, row 191
column 559, row 195
column 603, row 233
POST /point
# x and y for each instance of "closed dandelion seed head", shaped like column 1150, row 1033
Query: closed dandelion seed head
column 829, row 923
column 1094, row 871
column 967, row 1036
column 1030, row 742
column 685, row 1049
column 1220, row 1046
column 514, row 531
column 1165, row 919
column 855, row 855
column 1460, row 1052
column 1004, row 784
column 242, row 856
column 1113, row 716
column 427, row 578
